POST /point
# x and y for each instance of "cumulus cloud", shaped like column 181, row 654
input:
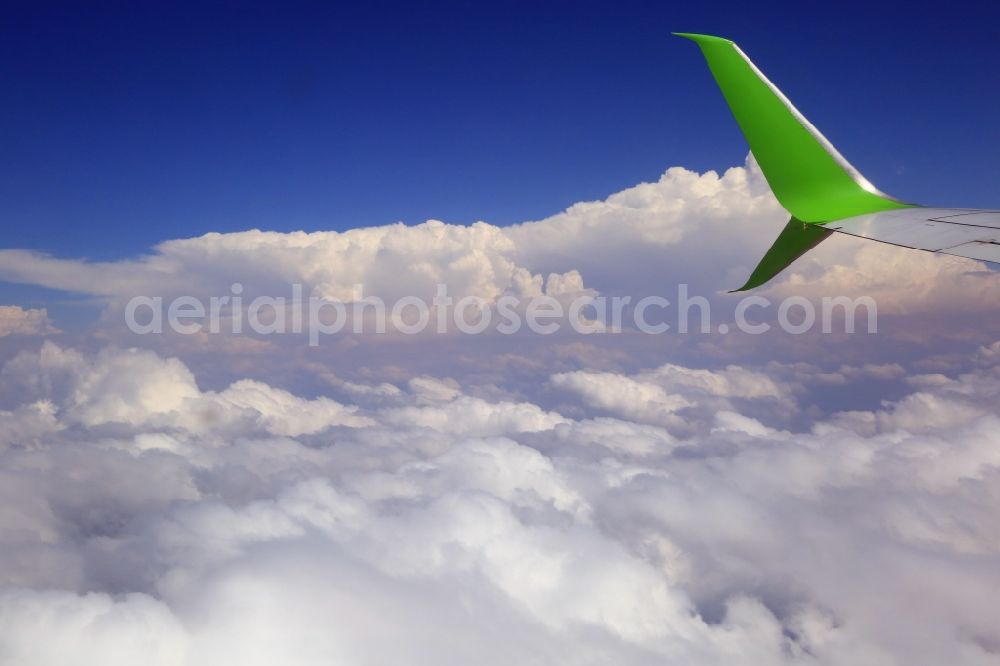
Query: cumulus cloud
column 663, row 522
column 705, row 230
column 388, row 261
column 673, row 395
column 135, row 387
column 15, row 320
column 599, row 240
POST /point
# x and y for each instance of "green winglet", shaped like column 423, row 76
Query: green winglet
column 795, row 239
column 808, row 176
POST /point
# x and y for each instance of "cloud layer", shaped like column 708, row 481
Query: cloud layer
column 627, row 499
column 175, row 525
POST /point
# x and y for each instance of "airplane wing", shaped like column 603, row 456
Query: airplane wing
column 819, row 187
column 964, row 233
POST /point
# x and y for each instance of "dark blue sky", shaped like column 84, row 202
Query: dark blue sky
column 126, row 124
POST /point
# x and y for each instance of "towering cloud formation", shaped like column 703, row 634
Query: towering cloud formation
column 700, row 229
column 396, row 260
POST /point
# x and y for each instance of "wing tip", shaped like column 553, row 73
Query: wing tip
column 702, row 40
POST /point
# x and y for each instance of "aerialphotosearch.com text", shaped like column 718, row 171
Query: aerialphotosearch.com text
column 471, row 315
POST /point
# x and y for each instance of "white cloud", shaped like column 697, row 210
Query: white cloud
column 672, row 395
column 448, row 528
column 706, row 230
column 639, row 400
column 53, row 628
column 473, row 416
column 15, row 320
column 481, row 259
column 139, row 388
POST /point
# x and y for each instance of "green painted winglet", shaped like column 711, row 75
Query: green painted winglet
column 808, row 176
column 795, row 239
